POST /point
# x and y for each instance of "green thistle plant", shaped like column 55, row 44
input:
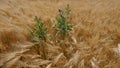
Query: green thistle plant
column 62, row 25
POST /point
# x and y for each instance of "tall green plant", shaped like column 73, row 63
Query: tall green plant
column 39, row 36
column 63, row 27
column 40, row 31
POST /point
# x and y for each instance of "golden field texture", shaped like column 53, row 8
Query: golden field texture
column 94, row 41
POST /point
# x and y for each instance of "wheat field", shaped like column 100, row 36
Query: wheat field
column 94, row 41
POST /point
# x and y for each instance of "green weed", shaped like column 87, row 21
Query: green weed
column 63, row 27
column 39, row 36
column 40, row 31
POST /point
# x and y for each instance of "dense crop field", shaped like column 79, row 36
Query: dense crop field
column 59, row 33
